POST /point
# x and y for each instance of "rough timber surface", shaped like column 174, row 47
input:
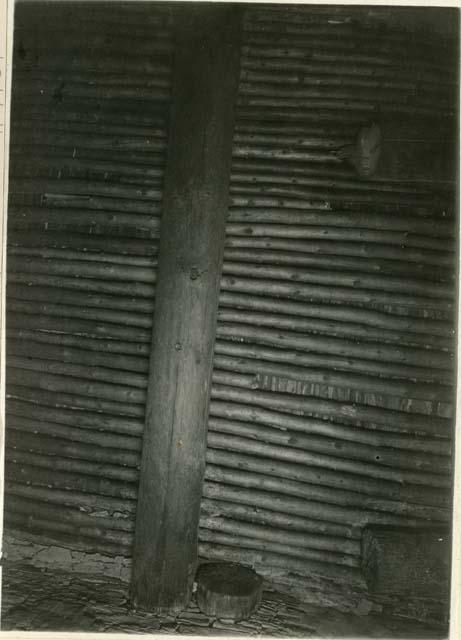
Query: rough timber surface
column 228, row 591
column 45, row 600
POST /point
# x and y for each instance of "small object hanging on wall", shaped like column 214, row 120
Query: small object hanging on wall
column 228, row 591
column 364, row 154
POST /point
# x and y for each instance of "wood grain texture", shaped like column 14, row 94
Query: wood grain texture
column 190, row 261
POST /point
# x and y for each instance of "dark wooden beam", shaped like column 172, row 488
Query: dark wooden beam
column 190, row 259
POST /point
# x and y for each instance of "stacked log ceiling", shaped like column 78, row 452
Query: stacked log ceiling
column 89, row 129
column 332, row 396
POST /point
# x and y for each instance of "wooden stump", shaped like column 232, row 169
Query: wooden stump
column 226, row 590
column 414, row 563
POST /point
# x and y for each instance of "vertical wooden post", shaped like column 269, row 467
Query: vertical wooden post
column 195, row 206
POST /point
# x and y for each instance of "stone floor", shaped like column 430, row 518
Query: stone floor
column 36, row 599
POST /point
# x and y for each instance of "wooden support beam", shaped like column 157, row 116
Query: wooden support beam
column 189, row 269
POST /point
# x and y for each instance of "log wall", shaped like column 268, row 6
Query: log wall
column 89, row 129
column 332, row 397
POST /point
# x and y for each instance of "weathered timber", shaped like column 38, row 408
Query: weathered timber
column 81, row 419
column 315, row 501
column 274, row 353
column 40, row 442
column 52, row 532
column 190, row 259
column 406, row 562
column 123, row 446
column 72, row 498
column 387, row 456
column 254, row 414
column 388, row 419
column 43, row 392
column 288, row 522
column 328, row 485
column 254, row 558
column 273, row 534
column 70, row 481
column 78, row 466
column 35, row 521
column 229, row 591
column 249, row 542
column 339, row 313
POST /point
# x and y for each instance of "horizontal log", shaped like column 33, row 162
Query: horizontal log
column 117, row 540
column 281, row 536
column 316, row 68
column 332, row 294
column 92, row 503
column 76, row 517
column 246, row 542
column 37, row 120
column 300, row 232
column 37, row 442
column 253, row 414
column 69, row 481
column 37, row 393
column 94, row 344
column 51, row 533
column 386, row 456
column 261, row 194
column 77, row 187
column 45, row 240
column 76, row 311
column 341, row 412
column 63, row 354
column 365, row 265
column 82, row 327
column 58, row 463
column 252, row 151
column 362, row 107
column 110, row 287
column 331, row 54
column 294, row 93
column 56, row 162
column 285, row 209
column 410, row 287
column 330, row 362
column 51, row 253
column 39, row 379
column 84, row 373
column 332, row 49
column 84, row 89
column 255, row 558
column 126, row 448
column 95, row 213
column 286, row 521
column 329, row 326
column 325, row 80
column 82, row 269
column 343, row 247
column 108, row 111
column 335, row 346
column 332, row 504
column 337, row 313
column 413, row 193
column 267, row 456
column 93, row 41
column 280, row 502
column 364, row 384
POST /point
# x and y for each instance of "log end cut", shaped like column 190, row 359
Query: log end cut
column 227, row 590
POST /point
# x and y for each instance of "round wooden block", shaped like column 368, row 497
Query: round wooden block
column 228, row 590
